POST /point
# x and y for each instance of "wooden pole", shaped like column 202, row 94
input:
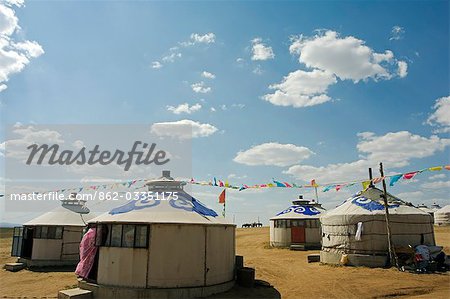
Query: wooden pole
column 370, row 177
column 317, row 196
column 392, row 255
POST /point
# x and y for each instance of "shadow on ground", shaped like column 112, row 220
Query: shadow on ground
column 262, row 290
column 50, row 269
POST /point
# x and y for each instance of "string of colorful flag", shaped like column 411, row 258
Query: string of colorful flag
column 393, row 179
column 135, row 184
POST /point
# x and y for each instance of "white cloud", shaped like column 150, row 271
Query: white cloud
column 212, row 109
column 402, row 69
column 332, row 172
column 437, row 176
column 27, row 135
column 184, row 108
column 347, row 57
column 208, row 38
column 240, row 106
column 397, row 33
column 14, row 54
column 171, row 57
column 183, row 129
column 397, row 148
column 441, row 116
column 393, row 149
column 436, row 185
column 273, row 153
column 260, row 51
column 208, row 75
column 156, row 65
column 258, row 70
column 200, row 87
column 78, row 144
column 302, row 89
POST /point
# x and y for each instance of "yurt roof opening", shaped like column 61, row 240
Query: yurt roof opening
column 297, row 225
column 357, row 229
column 53, row 238
column 171, row 243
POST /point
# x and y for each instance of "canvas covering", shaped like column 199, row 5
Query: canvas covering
column 409, row 225
column 442, row 216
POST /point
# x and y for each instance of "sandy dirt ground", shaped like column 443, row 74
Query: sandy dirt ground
column 288, row 272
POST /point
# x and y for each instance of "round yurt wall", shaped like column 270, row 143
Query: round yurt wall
column 358, row 226
column 149, row 243
column 298, row 224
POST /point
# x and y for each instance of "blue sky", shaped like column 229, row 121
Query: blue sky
column 350, row 67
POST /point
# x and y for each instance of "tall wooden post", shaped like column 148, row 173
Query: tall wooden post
column 392, row 255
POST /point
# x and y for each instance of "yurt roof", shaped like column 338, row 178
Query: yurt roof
column 61, row 216
column 370, row 202
column 444, row 210
column 426, row 209
column 300, row 211
column 184, row 209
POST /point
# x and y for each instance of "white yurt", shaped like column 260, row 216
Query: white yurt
column 354, row 233
column 426, row 209
column 155, row 248
column 52, row 239
column 442, row 216
column 298, row 225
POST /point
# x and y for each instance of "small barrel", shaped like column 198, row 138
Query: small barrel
column 239, row 262
column 246, row 277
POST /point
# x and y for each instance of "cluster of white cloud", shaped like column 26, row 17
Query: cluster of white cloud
column 184, row 108
column 171, row 57
column 331, row 57
column 440, row 118
column 273, row 153
column 183, row 129
column 200, row 87
column 397, row 33
column 175, row 53
column 395, row 149
column 15, row 53
column 260, row 51
column 26, row 135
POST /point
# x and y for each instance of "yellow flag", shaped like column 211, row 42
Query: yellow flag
column 435, row 168
column 365, row 184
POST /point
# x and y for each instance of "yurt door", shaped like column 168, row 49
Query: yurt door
column 16, row 249
column 27, row 246
column 297, row 234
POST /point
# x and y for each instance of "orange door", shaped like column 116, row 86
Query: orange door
column 297, row 234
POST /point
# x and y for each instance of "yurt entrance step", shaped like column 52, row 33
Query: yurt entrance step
column 14, row 267
column 76, row 293
column 298, row 247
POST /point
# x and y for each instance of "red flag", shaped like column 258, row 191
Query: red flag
column 222, row 197
column 409, row 175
